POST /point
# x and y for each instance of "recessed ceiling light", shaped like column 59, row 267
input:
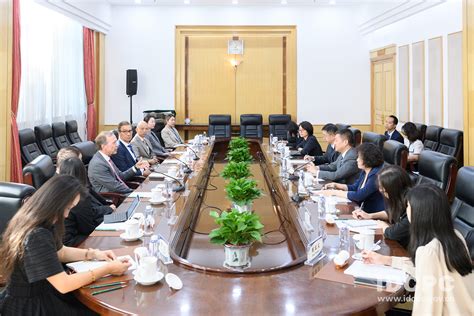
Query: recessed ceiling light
column 235, row 1
column 187, row 1
column 332, row 2
column 284, row 2
column 138, row 1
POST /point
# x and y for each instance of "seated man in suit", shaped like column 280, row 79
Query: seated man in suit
column 142, row 146
column 391, row 129
column 104, row 175
column 170, row 134
column 344, row 169
column 329, row 134
column 156, row 146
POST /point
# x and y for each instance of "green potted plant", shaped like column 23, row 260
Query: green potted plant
column 236, row 170
column 241, row 154
column 241, row 192
column 238, row 142
column 237, row 231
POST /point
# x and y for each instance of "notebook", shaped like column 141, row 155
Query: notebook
column 83, row 266
column 376, row 272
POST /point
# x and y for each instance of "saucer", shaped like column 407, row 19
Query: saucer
column 150, row 280
column 374, row 248
column 125, row 237
column 357, row 256
column 159, row 201
column 174, row 281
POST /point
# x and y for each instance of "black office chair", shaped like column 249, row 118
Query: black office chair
column 357, row 136
column 421, row 128
column 374, row 138
column 44, row 137
column 342, row 126
column 451, row 143
column 395, row 153
column 219, row 126
column 438, row 169
column 87, row 149
column 463, row 206
column 40, row 170
column 59, row 135
column 71, row 132
column 278, row 125
column 12, row 196
column 431, row 141
column 251, row 126
column 28, row 147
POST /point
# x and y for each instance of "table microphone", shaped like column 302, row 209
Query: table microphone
column 196, row 157
column 293, row 177
column 179, row 188
column 188, row 169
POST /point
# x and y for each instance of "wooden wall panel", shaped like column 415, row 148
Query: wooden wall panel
column 418, row 82
column 435, row 81
column 468, row 75
column 404, row 83
column 455, row 85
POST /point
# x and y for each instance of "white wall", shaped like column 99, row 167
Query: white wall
column 333, row 81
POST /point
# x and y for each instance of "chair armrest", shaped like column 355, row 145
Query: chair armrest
column 117, row 198
column 138, row 179
column 132, row 185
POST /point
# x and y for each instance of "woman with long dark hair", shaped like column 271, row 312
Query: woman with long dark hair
column 32, row 255
column 439, row 259
column 393, row 183
column 307, row 143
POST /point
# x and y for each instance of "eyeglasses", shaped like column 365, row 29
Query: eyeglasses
column 127, row 131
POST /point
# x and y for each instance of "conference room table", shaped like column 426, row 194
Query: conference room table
column 278, row 283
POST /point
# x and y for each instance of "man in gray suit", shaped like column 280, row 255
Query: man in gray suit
column 169, row 133
column 344, row 169
column 104, row 176
column 142, row 146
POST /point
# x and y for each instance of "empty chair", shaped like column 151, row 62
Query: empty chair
column 59, row 135
column 438, row 169
column 160, row 123
column 450, row 143
column 357, row 135
column 251, row 125
column 421, row 131
column 463, row 206
column 374, row 138
column 71, row 132
column 431, row 141
column 219, row 126
column 40, row 170
column 278, row 125
column 44, row 137
column 12, row 196
column 87, row 149
column 28, row 147
column 395, row 153
column 342, row 126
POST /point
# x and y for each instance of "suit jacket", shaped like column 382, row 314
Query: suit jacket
column 395, row 136
column 399, row 231
column 328, row 157
column 310, row 146
column 142, row 148
column 102, row 177
column 343, row 170
column 171, row 136
column 123, row 159
column 156, row 145
column 369, row 195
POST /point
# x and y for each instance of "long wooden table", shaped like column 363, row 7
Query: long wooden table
column 277, row 282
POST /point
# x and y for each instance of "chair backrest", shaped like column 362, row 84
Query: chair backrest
column 251, row 125
column 40, row 170
column 44, row 137
column 28, row 147
column 421, row 128
column 342, row 126
column 431, row 141
column 463, row 206
column 219, row 125
column 59, row 135
column 450, row 143
column 12, row 196
column 71, row 132
column 87, row 149
column 374, row 138
column 438, row 169
column 395, row 153
column 278, row 125
column 160, row 123
column 357, row 135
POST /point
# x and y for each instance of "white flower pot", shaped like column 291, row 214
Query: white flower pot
column 237, row 256
column 243, row 208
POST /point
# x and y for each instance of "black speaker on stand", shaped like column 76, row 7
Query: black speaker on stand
column 132, row 85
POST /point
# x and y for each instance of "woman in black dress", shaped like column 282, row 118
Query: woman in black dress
column 32, row 255
column 307, row 143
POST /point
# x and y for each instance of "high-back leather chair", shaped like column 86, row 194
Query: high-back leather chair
column 438, row 169
column 431, row 141
column 251, row 125
column 421, row 128
column 395, row 153
column 357, row 135
column 44, row 137
column 28, row 147
column 451, row 143
column 40, row 170
column 87, row 149
column 219, row 125
column 59, row 135
column 12, row 196
column 278, row 125
column 342, row 126
column 71, row 132
column 463, row 206
column 374, row 138
column 160, row 123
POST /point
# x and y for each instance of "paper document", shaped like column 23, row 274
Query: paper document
column 376, row 272
column 111, row 226
column 170, row 161
column 83, row 266
column 298, row 161
column 156, row 175
column 140, row 194
column 360, row 223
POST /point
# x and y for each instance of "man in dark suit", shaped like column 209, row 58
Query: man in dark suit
column 125, row 158
column 391, row 129
column 329, row 134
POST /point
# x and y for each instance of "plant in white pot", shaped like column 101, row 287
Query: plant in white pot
column 237, row 231
column 241, row 192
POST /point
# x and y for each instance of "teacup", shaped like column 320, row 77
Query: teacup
column 308, row 179
column 140, row 253
column 366, row 239
column 156, row 194
column 147, row 267
column 132, row 227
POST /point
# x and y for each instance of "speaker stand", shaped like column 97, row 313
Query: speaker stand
column 131, row 119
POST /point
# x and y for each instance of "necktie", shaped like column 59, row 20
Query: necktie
column 131, row 152
column 115, row 172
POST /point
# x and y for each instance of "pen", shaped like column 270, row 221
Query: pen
column 106, row 229
column 106, row 284
column 109, row 290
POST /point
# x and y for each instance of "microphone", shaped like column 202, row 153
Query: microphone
column 180, row 186
column 188, row 169
column 196, row 157
column 293, row 177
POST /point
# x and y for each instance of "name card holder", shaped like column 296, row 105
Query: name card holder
column 314, row 251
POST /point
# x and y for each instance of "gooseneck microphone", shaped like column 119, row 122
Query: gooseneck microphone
column 188, row 169
column 196, row 157
column 178, row 188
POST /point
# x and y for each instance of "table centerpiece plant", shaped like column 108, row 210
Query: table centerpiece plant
column 236, row 170
column 242, row 192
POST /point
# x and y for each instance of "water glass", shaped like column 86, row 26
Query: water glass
column 149, row 221
column 344, row 237
column 321, row 207
column 169, row 188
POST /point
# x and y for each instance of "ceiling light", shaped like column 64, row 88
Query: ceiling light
column 332, row 2
column 187, row 1
column 138, row 1
column 235, row 1
column 284, row 2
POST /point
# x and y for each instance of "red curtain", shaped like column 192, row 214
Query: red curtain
column 89, row 78
column 16, row 174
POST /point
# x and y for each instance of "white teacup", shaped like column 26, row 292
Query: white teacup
column 132, row 227
column 366, row 239
column 140, row 253
column 308, row 179
column 147, row 267
column 156, row 194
